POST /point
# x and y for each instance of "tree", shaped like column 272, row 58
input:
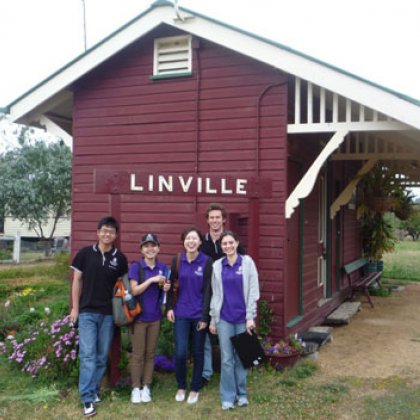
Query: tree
column 35, row 184
column 412, row 224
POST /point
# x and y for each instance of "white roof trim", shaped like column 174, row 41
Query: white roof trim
column 237, row 40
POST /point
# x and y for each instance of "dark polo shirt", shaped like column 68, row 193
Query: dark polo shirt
column 99, row 274
column 214, row 249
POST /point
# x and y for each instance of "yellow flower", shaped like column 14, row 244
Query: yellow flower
column 27, row 291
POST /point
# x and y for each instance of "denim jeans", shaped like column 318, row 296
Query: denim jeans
column 95, row 336
column 185, row 328
column 208, row 358
column 232, row 374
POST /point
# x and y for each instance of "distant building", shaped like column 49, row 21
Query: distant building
column 12, row 226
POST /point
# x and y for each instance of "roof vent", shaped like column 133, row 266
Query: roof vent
column 172, row 56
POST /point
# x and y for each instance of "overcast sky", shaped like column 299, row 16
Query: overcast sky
column 375, row 39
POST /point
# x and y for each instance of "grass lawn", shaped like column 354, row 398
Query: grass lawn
column 403, row 264
column 299, row 393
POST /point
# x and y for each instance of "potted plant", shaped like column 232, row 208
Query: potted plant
column 378, row 190
column 283, row 353
column 378, row 238
column 404, row 204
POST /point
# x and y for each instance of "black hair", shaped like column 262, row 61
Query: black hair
column 188, row 230
column 109, row 221
column 229, row 233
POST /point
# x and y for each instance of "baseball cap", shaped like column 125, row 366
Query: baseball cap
column 149, row 237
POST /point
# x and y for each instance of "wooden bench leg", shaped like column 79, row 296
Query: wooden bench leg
column 366, row 289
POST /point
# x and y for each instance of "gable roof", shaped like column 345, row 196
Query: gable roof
column 53, row 95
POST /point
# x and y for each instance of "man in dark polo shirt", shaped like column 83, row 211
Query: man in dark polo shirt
column 216, row 217
column 96, row 269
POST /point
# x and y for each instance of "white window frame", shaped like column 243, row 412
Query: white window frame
column 172, row 56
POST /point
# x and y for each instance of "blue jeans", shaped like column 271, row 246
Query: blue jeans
column 208, row 358
column 95, row 336
column 183, row 329
column 232, row 373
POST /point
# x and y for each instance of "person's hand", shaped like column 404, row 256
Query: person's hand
column 213, row 329
column 250, row 325
column 74, row 314
column 201, row 326
column 158, row 279
column 170, row 316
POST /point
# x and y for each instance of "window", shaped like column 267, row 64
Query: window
column 172, row 57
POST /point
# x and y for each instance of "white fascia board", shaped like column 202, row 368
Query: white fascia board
column 90, row 60
column 305, row 68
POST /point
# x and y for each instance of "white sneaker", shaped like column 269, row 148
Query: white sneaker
column 180, row 396
column 243, row 402
column 227, row 406
column 89, row 409
column 192, row 399
column 145, row 394
column 136, row 396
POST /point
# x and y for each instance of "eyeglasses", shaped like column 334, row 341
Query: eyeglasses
column 107, row 231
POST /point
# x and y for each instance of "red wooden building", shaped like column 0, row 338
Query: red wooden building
column 176, row 110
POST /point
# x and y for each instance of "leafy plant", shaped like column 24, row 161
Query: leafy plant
column 283, row 346
column 47, row 352
column 378, row 236
column 166, row 344
column 265, row 318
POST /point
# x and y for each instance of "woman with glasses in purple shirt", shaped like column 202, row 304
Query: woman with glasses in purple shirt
column 233, row 309
column 188, row 308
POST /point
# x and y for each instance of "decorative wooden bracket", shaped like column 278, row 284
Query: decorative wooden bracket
column 306, row 184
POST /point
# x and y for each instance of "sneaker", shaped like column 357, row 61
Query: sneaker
column 97, row 399
column 243, row 402
column 145, row 394
column 89, row 409
column 227, row 406
column 136, row 396
column 180, row 395
column 192, row 399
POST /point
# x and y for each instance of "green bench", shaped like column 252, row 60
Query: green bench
column 360, row 279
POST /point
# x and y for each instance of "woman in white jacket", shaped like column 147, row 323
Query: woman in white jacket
column 233, row 309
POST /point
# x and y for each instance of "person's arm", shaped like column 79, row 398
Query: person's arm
column 207, row 291
column 172, row 278
column 138, row 289
column 76, row 291
column 253, row 295
column 216, row 296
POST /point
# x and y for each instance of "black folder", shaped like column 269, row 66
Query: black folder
column 249, row 349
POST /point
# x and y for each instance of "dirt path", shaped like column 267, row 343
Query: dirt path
column 379, row 342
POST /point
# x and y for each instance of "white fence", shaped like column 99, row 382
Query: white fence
column 29, row 249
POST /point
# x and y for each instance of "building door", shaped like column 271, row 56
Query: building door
column 322, row 235
column 293, row 282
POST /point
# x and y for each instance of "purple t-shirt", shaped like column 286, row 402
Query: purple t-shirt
column 151, row 299
column 191, row 280
column 233, row 306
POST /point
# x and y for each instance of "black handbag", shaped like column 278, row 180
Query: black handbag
column 249, row 349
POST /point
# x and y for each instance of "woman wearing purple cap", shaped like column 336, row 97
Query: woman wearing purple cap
column 147, row 281
column 188, row 308
column 233, row 309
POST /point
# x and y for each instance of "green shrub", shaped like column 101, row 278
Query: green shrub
column 166, row 343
